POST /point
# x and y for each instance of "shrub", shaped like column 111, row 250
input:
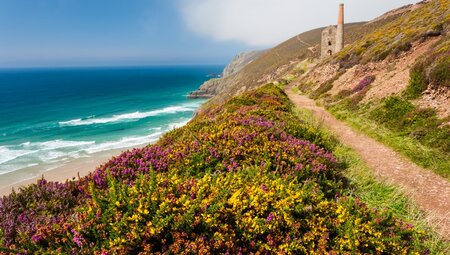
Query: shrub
column 352, row 102
column 343, row 94
column 348, row 61
column 323, row 88
column 326, row 86
column 432, row 69
column 235, row 213
column 440, row 73
column 364, row 83
column 402, row 48
column 417, row 82
column 305, row 86
column 380, row 56
column 392, row 111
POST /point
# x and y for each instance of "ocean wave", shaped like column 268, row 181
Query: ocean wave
column 7, row 154
column 188, row 107
column 32, row 154
column 29, row 154
column 125, row 142
column 56, row 144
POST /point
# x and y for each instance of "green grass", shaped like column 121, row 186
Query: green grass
column 376, row 193
column 431, row 158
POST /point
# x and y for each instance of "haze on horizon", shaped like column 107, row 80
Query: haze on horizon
column 159, row 32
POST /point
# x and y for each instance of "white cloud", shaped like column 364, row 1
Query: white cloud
column 267, row 22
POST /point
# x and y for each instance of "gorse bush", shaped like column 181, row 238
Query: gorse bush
column 392, row 111
column 248, row 177
column 235, row 213
column 224, row 145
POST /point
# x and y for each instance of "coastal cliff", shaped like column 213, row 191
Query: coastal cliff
column 212, row 87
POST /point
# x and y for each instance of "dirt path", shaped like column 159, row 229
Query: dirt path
column 428, row 190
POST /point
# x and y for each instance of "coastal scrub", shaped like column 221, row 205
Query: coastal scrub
column 246, row 177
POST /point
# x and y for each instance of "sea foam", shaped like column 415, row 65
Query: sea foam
column 7, row 154
column 125, row 142
column 56, row 144
column 187, row 107
column 30, row 154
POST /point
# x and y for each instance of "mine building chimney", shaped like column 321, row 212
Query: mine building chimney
column 340, row 29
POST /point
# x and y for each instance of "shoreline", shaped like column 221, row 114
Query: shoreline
column 69, row 171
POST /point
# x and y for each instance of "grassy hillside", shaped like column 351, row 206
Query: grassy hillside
column 288, row 60
column 288, row 54
column 248, row 177
column 398, row 118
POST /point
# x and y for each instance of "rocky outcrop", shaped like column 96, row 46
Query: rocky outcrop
column 240, row 61
column 207, row 90
column 214, row 86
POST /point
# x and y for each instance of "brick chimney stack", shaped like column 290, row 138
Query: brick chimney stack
column 340, row 29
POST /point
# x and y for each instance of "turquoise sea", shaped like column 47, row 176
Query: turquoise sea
column 50, row 117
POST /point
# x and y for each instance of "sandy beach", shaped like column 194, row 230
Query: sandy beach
column 69, row 171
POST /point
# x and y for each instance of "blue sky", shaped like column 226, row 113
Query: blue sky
column 152, row 32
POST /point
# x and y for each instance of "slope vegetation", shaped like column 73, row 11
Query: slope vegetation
column 429, row 191
column 393, row 84
column 288, row 60
column 248, row 177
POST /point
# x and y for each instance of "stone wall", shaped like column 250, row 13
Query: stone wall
column 328, row 46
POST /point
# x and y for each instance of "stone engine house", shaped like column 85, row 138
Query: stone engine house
column 328, row 41
column 333, row 36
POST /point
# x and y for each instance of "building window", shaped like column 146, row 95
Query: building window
column 330, row 52
column 329, row 43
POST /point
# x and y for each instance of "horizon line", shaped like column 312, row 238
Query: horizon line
column 111, row 66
